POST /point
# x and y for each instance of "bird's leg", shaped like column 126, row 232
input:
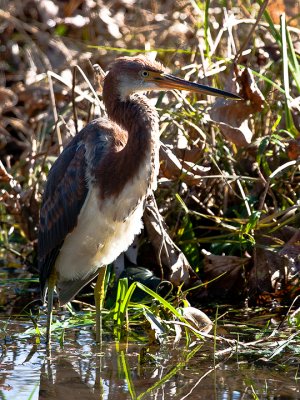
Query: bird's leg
column 51, row 285
column 99, row 298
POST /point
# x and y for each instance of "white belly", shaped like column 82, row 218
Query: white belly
column 97, row 240
column 102, row 235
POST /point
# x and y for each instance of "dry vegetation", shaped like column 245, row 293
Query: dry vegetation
column 229, row 179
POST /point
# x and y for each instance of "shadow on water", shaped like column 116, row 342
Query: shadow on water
column 82, row 370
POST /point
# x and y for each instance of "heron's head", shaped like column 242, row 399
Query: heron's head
column 139, row 74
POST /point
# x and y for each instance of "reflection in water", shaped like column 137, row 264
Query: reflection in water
column 81, row 370
column 20, row 367
column 60, row 380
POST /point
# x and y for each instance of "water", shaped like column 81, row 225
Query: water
column 133, row 369
column 83, row 370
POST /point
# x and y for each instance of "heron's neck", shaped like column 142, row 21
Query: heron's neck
column 135, row 115
column 139, row 152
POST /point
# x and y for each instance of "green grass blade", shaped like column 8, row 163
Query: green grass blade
column 293, row 60
column 133, row 51
column 206, row 28
column 290, row 126
column 121, row 292
column 172, row 373
column 182, row 203
column 274, row 32
column 162, row 301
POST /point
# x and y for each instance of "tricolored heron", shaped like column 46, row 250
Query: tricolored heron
column 95, row 194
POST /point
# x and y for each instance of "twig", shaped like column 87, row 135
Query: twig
column 244, row 45
column 73, row 100
column 77, row 90
column 90, row 86
column 199, row 380
column 52, row 98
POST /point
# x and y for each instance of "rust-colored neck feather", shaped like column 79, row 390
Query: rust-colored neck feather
column 135, row 140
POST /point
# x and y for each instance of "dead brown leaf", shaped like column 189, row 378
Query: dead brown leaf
column 174, row 264
column 193, row 155
column 71, row 6
column 290, row 7
column 293, row 150
column 173, row 168
column 227, row 269
column 275, row 269
column 197, row 318
column 233, row 116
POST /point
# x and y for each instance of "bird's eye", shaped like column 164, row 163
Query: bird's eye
column 145, row 74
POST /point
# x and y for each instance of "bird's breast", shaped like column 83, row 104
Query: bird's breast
column 105, row 228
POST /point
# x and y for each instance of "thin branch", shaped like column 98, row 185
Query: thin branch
column 53, row 104
column 245, row 44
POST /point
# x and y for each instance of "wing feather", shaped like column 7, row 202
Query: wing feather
column 66, row 191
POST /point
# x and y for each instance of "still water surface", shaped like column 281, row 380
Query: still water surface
column 132, row 370
column 82, row 370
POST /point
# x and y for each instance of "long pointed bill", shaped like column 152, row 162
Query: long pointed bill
column 170, row 82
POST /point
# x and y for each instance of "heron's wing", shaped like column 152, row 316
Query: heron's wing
column 68, row 289
column 64, row 196
column 65, row 193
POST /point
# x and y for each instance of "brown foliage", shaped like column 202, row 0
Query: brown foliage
column 221, row 179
